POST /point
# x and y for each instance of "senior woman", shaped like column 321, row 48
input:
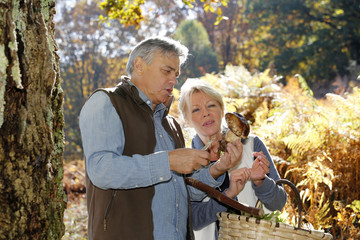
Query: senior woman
column 203, row 109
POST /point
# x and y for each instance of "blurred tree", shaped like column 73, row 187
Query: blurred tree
column 92, row 56
column 232, row 39
column 131, row 14
column 202, row 59
column 318, row 39
column 161, row 17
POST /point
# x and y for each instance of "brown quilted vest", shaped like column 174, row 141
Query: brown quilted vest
column 126, row 214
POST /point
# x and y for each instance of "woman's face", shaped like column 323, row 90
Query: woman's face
column 205, row 116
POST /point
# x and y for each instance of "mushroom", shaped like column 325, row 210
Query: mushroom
column 238, row 128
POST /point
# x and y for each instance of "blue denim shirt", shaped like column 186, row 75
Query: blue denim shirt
column 103, row 142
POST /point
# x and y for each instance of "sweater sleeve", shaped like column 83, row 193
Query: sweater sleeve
column 204, row 213
column 272, row 195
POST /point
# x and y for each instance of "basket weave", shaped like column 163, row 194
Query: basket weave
column 233, row 226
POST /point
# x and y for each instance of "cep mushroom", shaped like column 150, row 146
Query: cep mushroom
column 238, row 128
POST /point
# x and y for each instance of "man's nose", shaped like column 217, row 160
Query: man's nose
column 174, row 79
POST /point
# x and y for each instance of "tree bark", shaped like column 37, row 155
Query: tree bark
column 32, row 200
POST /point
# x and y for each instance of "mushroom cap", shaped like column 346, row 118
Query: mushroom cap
column 238, row 127
column 238, row 124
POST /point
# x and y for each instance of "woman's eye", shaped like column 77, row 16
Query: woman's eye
column 212, row 105
column 195, row 110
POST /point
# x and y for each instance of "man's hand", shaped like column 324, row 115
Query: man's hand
column 228, row 160
column 186, row 160
column 238, row 178
column 259, row 168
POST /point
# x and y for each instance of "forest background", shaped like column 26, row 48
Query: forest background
column 290, row 66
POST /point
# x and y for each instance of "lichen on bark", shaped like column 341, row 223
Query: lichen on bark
column 31, row 123
column 3, row 66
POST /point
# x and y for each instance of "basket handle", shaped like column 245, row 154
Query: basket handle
column 212, row 192
column 297, row 196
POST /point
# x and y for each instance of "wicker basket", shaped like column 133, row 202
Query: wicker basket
column 233, row 226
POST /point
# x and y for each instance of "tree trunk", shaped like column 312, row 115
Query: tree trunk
column 32, row 200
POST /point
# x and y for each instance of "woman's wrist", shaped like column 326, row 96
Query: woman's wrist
column 215, row 172
column 254, row 177
column 229, row 194
column 258, row 182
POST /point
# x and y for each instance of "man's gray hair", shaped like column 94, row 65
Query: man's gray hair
column 148, row 47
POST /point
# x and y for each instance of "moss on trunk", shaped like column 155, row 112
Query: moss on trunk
column 32, row 199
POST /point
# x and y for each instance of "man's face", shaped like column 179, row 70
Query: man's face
column 159, row 78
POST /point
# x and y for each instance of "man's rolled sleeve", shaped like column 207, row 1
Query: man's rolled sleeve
column 159, row 167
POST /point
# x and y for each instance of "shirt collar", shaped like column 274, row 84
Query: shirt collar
column 197, row 143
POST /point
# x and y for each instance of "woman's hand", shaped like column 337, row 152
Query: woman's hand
column 228, row 160
column 259, row 168
column 214, row 150
column 238, row 178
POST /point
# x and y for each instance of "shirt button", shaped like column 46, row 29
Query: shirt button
column 148, row 102
column 161, row 135
column 161, row 178
column 177, row 205
column 174, row 179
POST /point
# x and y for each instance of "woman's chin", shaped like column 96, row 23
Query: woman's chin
column 213, row 133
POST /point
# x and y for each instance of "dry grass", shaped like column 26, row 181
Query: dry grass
column 75, row 216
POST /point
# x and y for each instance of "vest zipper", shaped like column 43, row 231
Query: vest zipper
column 108, row 208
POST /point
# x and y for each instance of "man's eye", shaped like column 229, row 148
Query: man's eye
column 195, row 110
column 212, row 105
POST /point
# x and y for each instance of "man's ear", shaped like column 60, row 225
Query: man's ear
column 138, row 65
